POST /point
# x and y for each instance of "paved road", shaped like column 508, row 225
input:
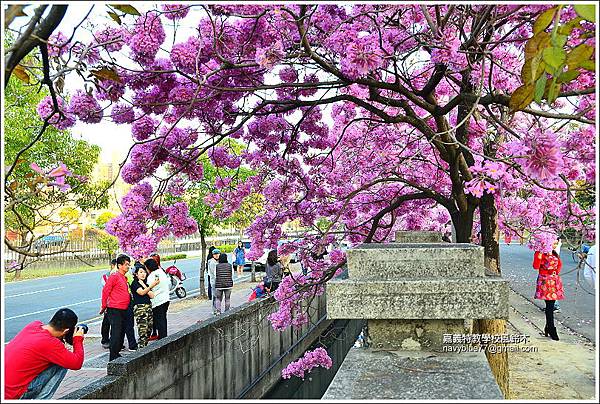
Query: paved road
column 38, row 299
column 578, row 309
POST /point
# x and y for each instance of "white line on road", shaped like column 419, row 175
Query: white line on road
column 37, row 291
column 53, row 308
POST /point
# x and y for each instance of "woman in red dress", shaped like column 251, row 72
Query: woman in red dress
column 549, row 285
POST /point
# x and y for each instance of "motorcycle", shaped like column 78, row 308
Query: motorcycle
column 176, row 281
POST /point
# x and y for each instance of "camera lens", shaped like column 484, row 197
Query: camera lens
column 84, row 327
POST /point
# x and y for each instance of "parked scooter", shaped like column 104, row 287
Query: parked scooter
column 177, row 277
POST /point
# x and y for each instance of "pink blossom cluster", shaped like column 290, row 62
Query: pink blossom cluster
column 57, row 176
column 220, row 157
column 62, row 119
column 545, row 158
column 122, row 113
column 175, row 11
column 57, row 44
column 85, row 107
column 148, row 34
column 143, row 128
column 185, row 56
column 310, row 360
column 111, row 39
column 362, row 57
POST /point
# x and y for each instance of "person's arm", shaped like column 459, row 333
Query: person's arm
column 61, row 356
column 537, row 259
column 145, row 290
column 110, row 283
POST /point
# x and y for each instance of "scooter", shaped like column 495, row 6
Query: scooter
column 177, row 277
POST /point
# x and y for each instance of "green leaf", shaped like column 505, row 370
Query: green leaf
column 532, row 69
column 536, row 44
column 126, row 8
column 568, row 76
column 553, row 91
column 589, row 65
column 554, row 58
column 540, row 86
column 106, row 74
column 587, row 12
column 115, row 17
column 559, row 40
column 544, row 20
column 579, row 54
column 521, row 98
column 567, row 27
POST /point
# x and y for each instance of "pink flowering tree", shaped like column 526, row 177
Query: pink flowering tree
column 373, row 117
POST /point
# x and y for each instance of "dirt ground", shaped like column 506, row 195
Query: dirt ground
column 559, row 370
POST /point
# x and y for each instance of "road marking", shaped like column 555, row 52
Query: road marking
column 37, row 291
column 53, row 308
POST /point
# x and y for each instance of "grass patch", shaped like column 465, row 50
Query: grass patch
column 32, row 273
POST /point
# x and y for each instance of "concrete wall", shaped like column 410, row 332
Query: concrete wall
column 238, row 355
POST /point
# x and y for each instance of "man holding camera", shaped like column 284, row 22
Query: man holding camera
column 115, row 302
column 36, row 359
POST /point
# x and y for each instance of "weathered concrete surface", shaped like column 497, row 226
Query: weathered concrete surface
column 418, row 237
column 415, row 261
column 369, row 374
column 482, row 298
column 226, row 357
column 413, row 334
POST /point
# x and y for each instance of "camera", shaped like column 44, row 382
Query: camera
column 83, row 326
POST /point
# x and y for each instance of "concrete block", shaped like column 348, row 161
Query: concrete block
column 369, row 374
column 482, row 298
column 415, row 261
column 418, row 236
column 412, row 335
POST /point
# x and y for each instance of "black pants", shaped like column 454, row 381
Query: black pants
column 129, row 329
column 209, row 289
column 105, row 330
column 116, row 318
column 159, row 316
column 273, row 286
column 550, row 313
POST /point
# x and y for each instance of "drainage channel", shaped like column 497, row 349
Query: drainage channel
column 337, row 339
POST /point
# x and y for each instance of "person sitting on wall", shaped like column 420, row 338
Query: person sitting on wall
column 36, row 359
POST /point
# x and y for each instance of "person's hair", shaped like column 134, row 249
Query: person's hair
column 272, row 257
column 223, row 258
column 121, row 259
column 156, row 258
column 151, row 264
column 113, row 262
column 63, row 319
column 138, row 269
column 240, row 242
column 210, row 249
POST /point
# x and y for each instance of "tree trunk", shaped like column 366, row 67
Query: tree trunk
column 253, row 277
column 463, row 225
column 490, row 236
column 202, row 263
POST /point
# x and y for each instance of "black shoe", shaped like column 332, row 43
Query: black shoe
column 553, row 333
column 545, row 331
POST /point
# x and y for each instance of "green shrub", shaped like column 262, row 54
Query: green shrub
column 226, row 248
column 173, row 257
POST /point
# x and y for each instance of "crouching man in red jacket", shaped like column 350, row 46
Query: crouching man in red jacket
column 36, row 359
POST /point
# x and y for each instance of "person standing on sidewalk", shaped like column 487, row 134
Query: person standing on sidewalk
column 273, row 271
column 115, row 302
column 210, row 281
column 549, row 285
column 160, row 301
column 223, row 283
column 36, row 359
column 105, row 328
column 240, row 258
column 212, row 276
column 142, row 306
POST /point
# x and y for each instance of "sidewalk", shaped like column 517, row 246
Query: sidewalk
column 181, row 314
column 559, row 370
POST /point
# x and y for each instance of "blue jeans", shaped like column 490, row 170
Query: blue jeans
column 45, row 384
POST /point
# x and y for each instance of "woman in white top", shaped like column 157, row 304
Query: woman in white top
column 160, row 301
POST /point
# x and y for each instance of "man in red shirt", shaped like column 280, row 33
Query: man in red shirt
column 115, row 302
column 36, row 359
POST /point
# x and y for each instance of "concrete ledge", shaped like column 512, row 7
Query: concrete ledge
column 418, row 237
column 401, row 375
column 481, row 298
column 393, row 261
